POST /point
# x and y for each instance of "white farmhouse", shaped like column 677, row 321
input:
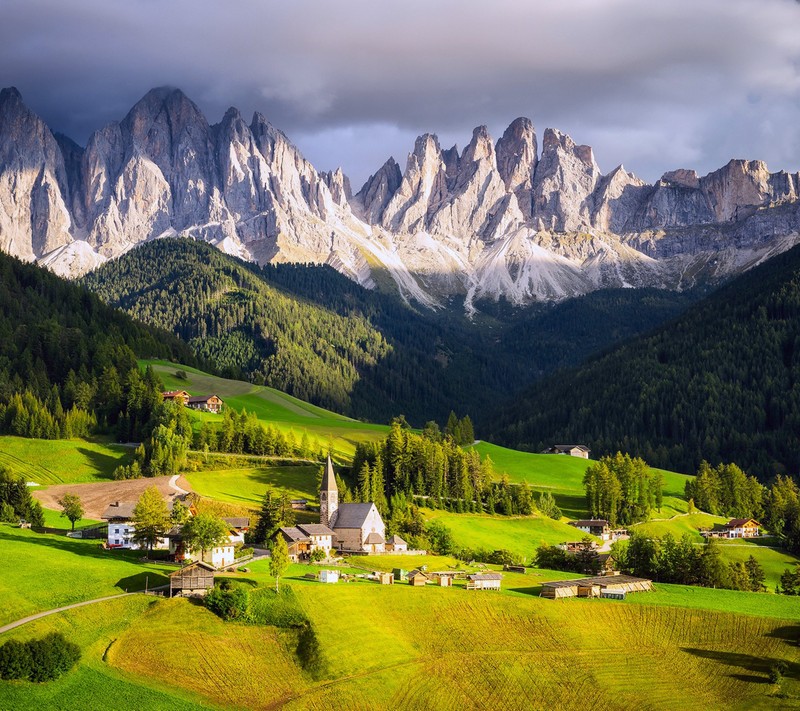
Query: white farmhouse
column 119, row 515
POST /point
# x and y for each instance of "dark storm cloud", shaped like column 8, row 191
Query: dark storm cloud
column 652, row 85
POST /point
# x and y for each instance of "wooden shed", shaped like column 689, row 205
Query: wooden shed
column 417, row 578
column 385, row 578
column 598, row 586
column 191, row 580
column 484, row 581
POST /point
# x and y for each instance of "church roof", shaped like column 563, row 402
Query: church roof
column 351, row 515
column 315, row 529
column 328, row 478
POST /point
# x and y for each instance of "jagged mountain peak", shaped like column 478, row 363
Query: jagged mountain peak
column 498, row 219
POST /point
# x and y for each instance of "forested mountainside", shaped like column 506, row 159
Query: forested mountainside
column 320, row 336
column 49, row 327
column 529, row 217
column 721, row 383
column 68, row 361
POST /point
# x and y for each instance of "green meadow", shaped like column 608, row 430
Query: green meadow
column 562, row 476
column 408, row 648
column 43, row 571
column 61, row 461
column 246, row 487
column 519, row 534
column 273, row 407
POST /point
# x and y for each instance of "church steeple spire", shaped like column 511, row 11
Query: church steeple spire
column 328, row 496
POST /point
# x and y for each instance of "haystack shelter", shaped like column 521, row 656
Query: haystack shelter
column 600, row 586
column 191, row 580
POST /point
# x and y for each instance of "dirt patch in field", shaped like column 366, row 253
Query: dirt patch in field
column 97, row 496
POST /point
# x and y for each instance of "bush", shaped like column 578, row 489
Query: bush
column 39, row 659
column 228, row 601
column 317, row 555
column 777, row 671
column 242, row 552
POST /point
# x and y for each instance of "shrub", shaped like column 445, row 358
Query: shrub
column 777, row 671
column 228, row 601
column 39, row 659
column 317, row 555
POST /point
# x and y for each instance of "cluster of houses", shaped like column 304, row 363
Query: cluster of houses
column 614, row 587
column 571, row 450
column 735, row 528
column 119, row 517
column 205, row 403
column 419, row 577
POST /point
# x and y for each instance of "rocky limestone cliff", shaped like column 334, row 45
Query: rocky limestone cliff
column 496, row 219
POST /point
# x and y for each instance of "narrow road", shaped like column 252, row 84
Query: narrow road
column 39, row 615
column 173, row 482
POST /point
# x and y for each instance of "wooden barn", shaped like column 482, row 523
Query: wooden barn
column 192, row 580
column 385, row 578
column 484, row 581
column 598, row 586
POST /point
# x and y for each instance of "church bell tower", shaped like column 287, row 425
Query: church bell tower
column 328, row 496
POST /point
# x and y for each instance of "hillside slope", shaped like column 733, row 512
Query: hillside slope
column 720, row 383
column 313, row 333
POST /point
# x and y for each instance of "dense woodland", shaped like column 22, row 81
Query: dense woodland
column 721, row 382
column 68, row 362
column 312, row 332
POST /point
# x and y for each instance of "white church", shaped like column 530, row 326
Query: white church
column 356, row 527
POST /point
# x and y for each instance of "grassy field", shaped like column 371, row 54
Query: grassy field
column 407, row 648
column 61, row 461
column 54, row 519
column 562, row 476
column 518, row 534
column 43, row 571
column 246, row 486
column 273, row 407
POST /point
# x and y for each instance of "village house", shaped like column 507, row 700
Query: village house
column 572, row 450
column 219, row 556
column 357, row 528
column 742, row 528
column 299, row 504
column 119, row 515
column 192, row 580
column 596, row 527
column 180, row 395
column 303, row 539
column 396, row 544
column 484, row 581
column 206, row 403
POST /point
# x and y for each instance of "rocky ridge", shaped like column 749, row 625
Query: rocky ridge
column 496, row 219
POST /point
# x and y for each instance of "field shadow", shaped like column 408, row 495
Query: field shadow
column 104, row 463
column 141, row 581
column 788, row 633
column 571, row 505
column 756, row 668
column 534, row 591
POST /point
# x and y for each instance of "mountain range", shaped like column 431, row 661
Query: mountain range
column 496, row 219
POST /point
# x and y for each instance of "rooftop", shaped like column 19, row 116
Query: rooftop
column 352, row 515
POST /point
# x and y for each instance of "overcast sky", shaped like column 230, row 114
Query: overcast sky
column 652, row 85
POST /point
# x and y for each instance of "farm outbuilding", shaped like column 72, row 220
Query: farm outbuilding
column 385, row 578
column 417, row 578
column 599, row 586
column 400, row 574
column 192, row 580
column 484, row 581
column 329, row 576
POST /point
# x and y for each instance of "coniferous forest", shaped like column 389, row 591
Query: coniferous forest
column 719, row 383
column 314, row 333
